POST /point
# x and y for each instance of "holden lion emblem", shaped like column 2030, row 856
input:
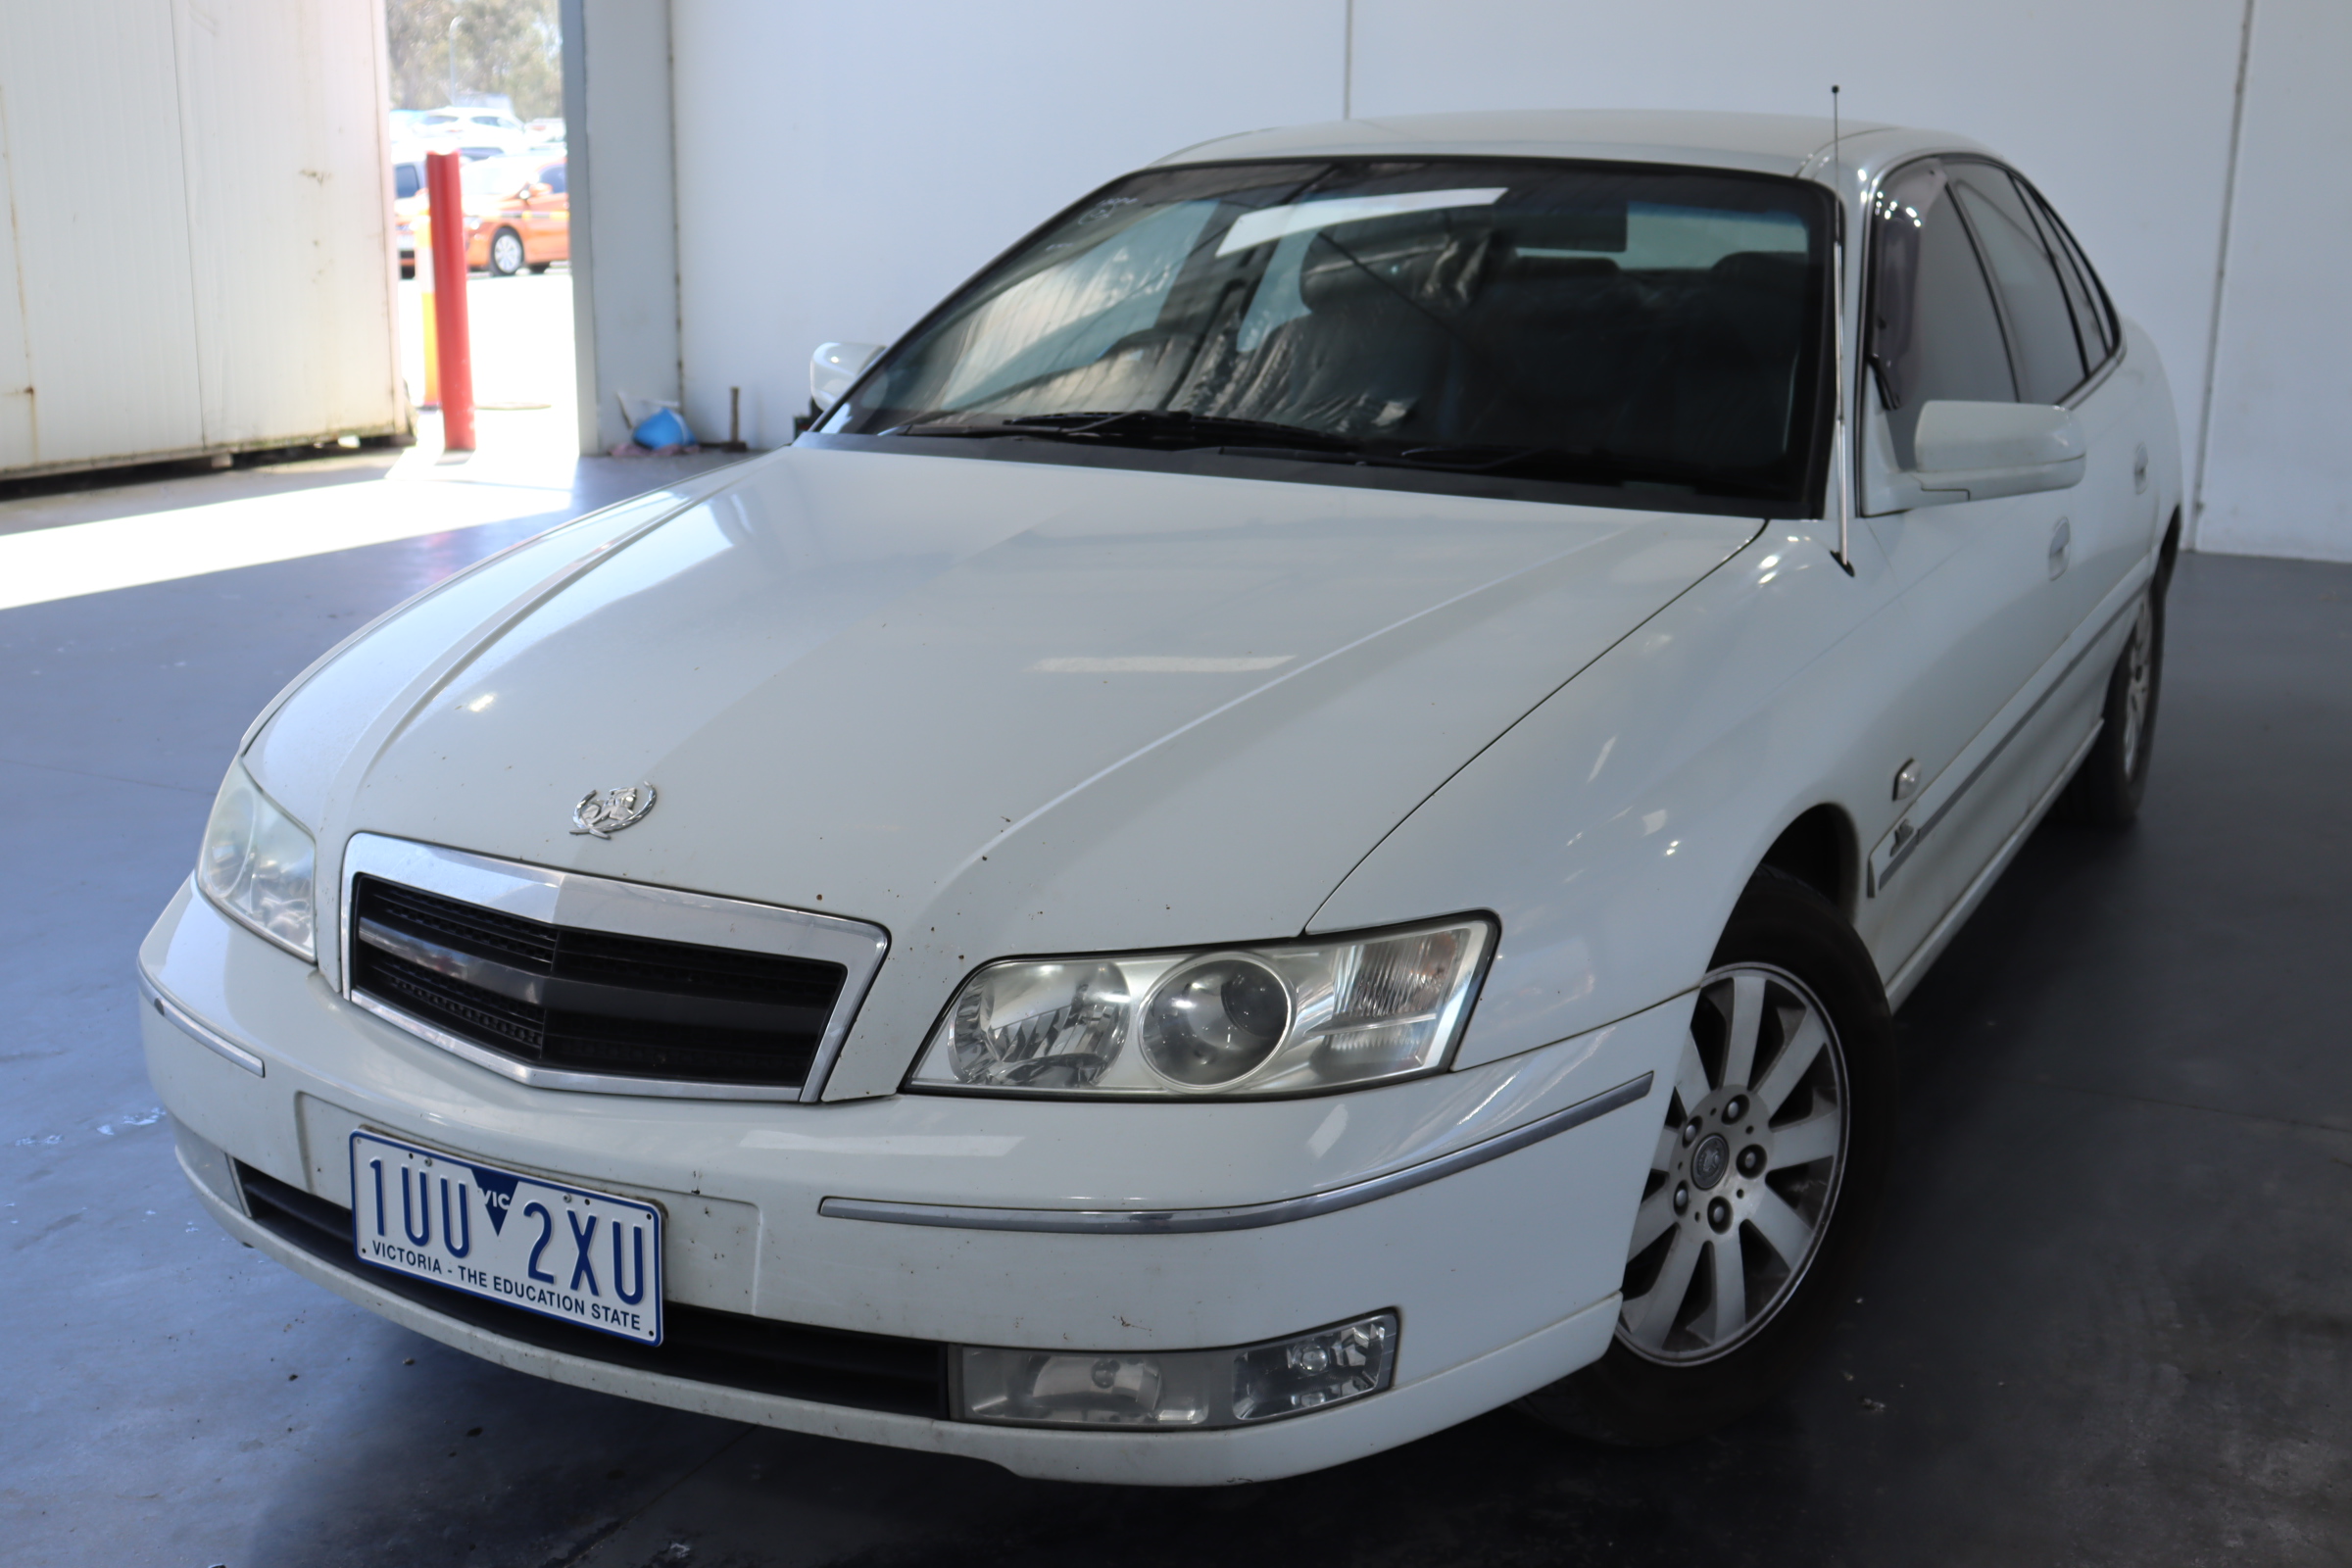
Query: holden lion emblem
column 605, row 812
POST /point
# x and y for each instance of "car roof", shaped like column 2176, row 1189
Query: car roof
column 1779, row 144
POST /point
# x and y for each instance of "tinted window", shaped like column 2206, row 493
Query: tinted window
column 2091, row 322
column 405, row 181
column 552, row 176
column 1933, row 330
column 2041, row 326
column 1588, row 323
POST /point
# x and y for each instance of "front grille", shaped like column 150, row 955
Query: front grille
column 830, row 1367
column 591, row 1002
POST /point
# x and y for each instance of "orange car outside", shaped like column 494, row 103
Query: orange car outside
column 518, row 214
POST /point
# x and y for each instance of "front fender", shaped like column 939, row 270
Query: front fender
column 1613, row 828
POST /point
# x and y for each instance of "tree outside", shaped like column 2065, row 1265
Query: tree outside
column 509, row 48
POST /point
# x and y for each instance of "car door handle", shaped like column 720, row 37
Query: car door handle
column 2061, row 536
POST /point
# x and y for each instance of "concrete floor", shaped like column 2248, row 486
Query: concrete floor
column 2107, row 1320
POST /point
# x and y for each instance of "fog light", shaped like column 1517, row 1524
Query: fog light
column 1314, row 1370
column 1179, row 1389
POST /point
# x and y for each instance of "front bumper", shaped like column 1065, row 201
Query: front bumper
column 1503, row 1273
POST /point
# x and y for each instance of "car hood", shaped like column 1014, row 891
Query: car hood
column 1004, row 707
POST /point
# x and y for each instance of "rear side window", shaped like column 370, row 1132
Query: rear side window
column 2094, row 321
column 1935, row 332
column 405, row 181
column 2043, row 344
column 552, row 176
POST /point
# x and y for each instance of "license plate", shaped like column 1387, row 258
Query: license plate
column 549, row 1248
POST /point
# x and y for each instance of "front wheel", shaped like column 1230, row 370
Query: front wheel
column 1762, row 1184
column 506, row 253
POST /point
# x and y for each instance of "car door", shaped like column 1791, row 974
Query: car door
column 1969, row 760
column 2060, row 343
column 553, row 210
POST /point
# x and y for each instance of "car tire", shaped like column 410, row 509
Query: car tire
column 506, row 253
column 1786, row 1155
column 538, row 268
column 2105, row 791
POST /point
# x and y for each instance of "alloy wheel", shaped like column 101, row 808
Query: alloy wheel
column 506, row 253
column 1746, row 1173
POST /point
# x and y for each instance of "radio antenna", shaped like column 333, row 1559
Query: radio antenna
column 1841, row 446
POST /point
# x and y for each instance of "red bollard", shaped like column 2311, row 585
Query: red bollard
column 449, row 329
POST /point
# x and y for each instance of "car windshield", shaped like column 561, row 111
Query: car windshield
column 1615, row 326
column 493, row 179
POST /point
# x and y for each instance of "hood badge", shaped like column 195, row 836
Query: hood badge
column 602, row 814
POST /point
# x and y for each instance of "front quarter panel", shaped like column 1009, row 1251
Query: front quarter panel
column 1613, row 828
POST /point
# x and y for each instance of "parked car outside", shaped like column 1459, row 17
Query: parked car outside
column 1298, row 818
column 518, row 214
column 475, row 127
column 408, row 199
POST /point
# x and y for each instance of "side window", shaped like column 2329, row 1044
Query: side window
column 2091, row 319
column 552, row 176
column 2049, row 358
column 405, row 181
column 1933, row 330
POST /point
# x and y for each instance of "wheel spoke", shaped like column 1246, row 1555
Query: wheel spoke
column 1801, row 1143
column 1691, row 1077
column 1804, row 1048
column 1651, row 1219
column 1747, row 1023
column 1727, row 1314
column 1782, row 1228
column 1649, row 1317
column 1670, row 1140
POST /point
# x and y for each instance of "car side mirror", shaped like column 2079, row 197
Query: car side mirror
column 1976, row 451
column 834, row 367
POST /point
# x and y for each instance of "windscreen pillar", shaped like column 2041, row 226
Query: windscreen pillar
column 624, row 230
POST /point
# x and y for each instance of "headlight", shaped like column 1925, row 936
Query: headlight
column 258, row 865
column 1297, row 1018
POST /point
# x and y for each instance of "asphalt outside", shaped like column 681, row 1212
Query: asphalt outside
column 2105, row 1321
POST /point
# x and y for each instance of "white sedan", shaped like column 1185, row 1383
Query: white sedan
column 1298, row 818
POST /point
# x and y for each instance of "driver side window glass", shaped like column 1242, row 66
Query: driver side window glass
column 2041, row 327
column 1933, row 330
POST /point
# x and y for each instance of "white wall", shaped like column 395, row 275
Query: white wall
column 623, row 184
column 839, row 168
column 2282, row 415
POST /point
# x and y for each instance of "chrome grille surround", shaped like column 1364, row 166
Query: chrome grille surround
column 577, row 900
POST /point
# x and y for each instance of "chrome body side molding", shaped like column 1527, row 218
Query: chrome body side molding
column 204, row 1034
column 1249, row 1218
column 1944, row 792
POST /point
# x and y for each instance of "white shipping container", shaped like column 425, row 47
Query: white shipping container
column 194, row 230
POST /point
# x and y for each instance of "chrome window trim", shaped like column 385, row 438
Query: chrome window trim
column 1248, row 1217
column 625, row 909
column 2093, row 378
column 196, row 1029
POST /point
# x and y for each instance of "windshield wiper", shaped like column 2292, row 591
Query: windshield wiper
column 1551, row 463
column 1175, row 430
column 1170, row 429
